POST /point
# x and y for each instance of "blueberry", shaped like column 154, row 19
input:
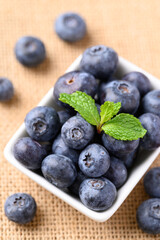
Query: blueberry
column 117, row 173
column 151, row 123
column 72, row 82
column 59, row 170
column 119, row 147
column 151, row 102
column 94, row 160
column 6, row 89
column 101, row 88
column 152, row 182
column 20, row 208
column 63, row 116
column 124, row 92
column 59, row 147
column 42, row 123
column 100, row 61
column 29, row 152
column 30, row 51
column 139, row 80
column 128, row 159
column 47, row 146
column 148, row 216
column 97, row 194
column 70, row 27
column 74, row 188
column 102, row 85
column 77, row 133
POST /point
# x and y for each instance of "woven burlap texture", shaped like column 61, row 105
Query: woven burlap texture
column 130, row 27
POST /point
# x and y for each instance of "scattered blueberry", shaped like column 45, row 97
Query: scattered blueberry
column 20, row 208
column 74, row 81
column 63, row 116
column 139, row 80
column 29, row 152
column 119, row 147
column 151, row 123
column 6, row 89
column 117, row 173
column 70, row 27
column 77, row 133
column 148, row 216
column 151, row 102
column 152, row 182
column 97, row 194
column 124, row 92
column 42, row 123
column 59, row 170
column 59, row 147
column 94, row 160
column 30, row 51
column 74, row 188
column 100, row 61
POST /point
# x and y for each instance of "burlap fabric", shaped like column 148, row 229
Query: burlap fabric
column 132, row 27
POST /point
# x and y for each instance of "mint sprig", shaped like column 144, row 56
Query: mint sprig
column 122, row 127
column 84, row 104
column 108, row 110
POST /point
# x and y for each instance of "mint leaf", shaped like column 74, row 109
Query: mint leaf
column 108, row 110
column 84, row 104
column 124, row 127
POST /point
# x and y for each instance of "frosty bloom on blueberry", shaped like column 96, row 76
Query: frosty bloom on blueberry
column 124, row 92
column 29, row 152
column 59, row 170
column 74, row 81
column 30, row 51
column 77, row 133
column 97, row 194
column 20, row 208
column 70, row 27
column 94, row 160
column 42, row 123
column 100, row 61
column 148, row 216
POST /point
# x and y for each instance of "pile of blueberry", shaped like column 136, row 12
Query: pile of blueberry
column 66, row 148
column 69, row 151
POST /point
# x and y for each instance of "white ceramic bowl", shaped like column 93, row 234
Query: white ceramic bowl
column 143, row 163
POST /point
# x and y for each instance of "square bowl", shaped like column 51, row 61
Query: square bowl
column 145, row 159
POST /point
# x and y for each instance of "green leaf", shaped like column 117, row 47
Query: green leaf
column 108, row 110
column 84, row 104
column 124, row 127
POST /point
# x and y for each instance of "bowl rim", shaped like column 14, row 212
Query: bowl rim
column 72, row 201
